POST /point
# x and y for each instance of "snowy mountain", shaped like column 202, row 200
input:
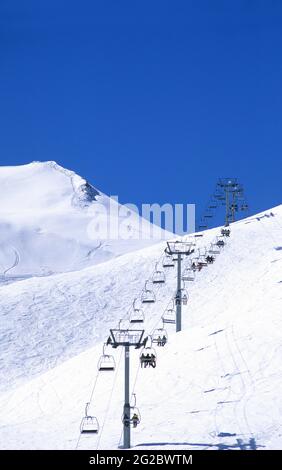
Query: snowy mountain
column 52, row 220
column 217, row 383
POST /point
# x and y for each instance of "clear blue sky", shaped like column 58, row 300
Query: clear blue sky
column 150, row 100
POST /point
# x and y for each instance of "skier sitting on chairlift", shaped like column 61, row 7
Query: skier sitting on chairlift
column 152, row 361
column 143, row 360
column 164, row 340
column 135, row 420
column 159, row 341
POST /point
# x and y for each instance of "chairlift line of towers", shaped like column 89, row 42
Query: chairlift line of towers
column 229, row 193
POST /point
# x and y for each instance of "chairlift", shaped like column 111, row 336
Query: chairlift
column 147, row 296
column 197, row 264
column 188, row 274
column 135, row 416
column 214, row 249
column 182, row 298
column 169, row 316
column 168, row 262
column 225, row 232
column 244, row 207
column 89, row 424
column 137, row 316
column 202, row 251
column 210, row 259
column 201, row 260
column 160, row 337
column 106, row 361
column 148, row 357
column 220, row 242
column 158, row 276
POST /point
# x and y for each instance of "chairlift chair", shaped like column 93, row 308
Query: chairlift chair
column 158, row 276
column 148, row 357
column 89, row 424
column 201, row 260
column 169, row 316
column 183, row 298
column 220, row 242
column 214, row 249
column 106, row 361
column 147, row 296
column 188, row 274
column 135, row 416
column 168, row 262
column 137, row 316
column 225, row 232
column 160, row 337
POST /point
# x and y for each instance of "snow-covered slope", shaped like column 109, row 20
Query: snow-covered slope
column 52, row 220
column 217, row 381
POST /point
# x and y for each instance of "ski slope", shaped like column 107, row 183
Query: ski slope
column 216, row 382
column 52, row 220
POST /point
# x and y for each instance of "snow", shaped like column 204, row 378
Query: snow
column 217, row 381
column 49, row 221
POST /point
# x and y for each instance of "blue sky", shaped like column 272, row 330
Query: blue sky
column 150, row 100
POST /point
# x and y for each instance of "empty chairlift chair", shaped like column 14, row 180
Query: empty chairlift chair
column 214, row 250
column 89, row 424
column 188, row 274
column 160, row 337
column 106, row 362
column 158, row 276
column 147, row 296
column 168, row 262
column 137, row 314
column 169, row 316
